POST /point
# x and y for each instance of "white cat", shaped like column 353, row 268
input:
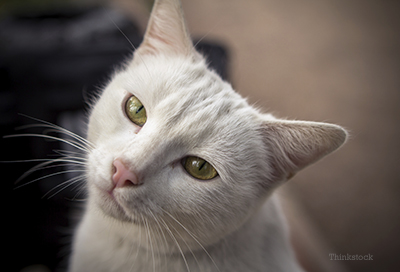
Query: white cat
column 181, row 169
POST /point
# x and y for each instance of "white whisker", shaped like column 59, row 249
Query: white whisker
column 162, row 233
column 81, row 190
column 29, row 160
column 45, row 164
column 208, row 33
column 71, row 143
column 57, row 129
column 130, row 42
column 71, row 154
column 69, row 183
column 192, row 236
column 50, row 175
column 53, row 166
column 151, row 243
column 187, row 245
column 137, row 247
column 177, row 243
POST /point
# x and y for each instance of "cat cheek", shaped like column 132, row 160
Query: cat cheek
column 99, row 168
column 128, row 129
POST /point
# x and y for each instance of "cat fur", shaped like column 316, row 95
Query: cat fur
column 173, row 222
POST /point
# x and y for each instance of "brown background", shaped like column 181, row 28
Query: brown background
column 323, row 60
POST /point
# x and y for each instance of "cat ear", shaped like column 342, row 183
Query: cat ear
column 296, row 144
column 166, row 31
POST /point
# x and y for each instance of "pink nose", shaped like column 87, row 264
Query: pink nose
column 123, row 176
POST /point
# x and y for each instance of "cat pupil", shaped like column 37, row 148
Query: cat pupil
column 135, row 111
column 139, row 109
column 199, row 168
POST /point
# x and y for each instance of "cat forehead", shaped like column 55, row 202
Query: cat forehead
column 184, row 97
column 160, row 76
column 179, row 87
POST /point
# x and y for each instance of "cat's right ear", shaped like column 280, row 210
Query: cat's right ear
column 166, row 31
column 294, row 145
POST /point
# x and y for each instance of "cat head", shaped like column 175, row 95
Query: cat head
column 175, row 145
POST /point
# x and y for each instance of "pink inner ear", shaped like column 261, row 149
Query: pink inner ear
column 166, row 31
column 296, row 144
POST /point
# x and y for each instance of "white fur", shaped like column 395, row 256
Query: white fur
column 173, row 222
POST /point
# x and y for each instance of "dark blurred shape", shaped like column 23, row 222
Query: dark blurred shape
column 51, row 64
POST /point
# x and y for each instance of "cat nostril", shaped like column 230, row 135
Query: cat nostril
column 122, row 176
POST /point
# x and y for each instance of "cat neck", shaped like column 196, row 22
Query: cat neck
column 261, row 241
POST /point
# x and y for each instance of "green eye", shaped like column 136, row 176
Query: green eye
column 135, row 111
column 199, row 168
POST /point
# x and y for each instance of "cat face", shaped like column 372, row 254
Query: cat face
column 190, row 112
column 165, row 117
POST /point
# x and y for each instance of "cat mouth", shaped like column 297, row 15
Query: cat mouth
column 109, row 204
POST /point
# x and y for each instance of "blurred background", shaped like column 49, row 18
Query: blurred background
column 328, row 60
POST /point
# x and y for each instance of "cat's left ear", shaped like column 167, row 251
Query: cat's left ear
column 296, row 144
column 166, row 31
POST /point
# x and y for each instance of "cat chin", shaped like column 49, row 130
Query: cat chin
column 121, row 217
column 111, row 208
